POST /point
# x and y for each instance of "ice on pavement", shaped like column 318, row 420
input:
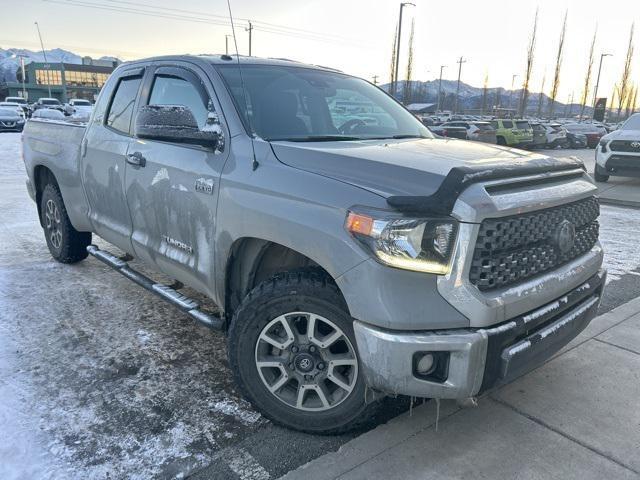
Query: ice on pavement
column 619, row 235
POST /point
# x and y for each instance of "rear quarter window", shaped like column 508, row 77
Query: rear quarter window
column 507, row 124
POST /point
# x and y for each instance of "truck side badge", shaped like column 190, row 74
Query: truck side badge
column 204, row 185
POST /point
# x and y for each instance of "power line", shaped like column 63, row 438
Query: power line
column 200, row 17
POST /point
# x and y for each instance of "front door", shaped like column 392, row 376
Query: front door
column 173, row 197
column 104, row 152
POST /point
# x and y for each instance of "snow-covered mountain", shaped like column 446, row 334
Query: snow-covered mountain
column 10, row 60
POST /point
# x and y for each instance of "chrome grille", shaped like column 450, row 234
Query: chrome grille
column 511, row 249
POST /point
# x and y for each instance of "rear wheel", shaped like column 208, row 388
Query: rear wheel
column 293, row 354
column 502, row 141
column 65, row 243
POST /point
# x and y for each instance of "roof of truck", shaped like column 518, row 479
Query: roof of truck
column 222, row 59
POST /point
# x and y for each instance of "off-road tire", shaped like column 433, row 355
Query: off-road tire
column 300, row 291
column 69, row 245
column 599, row 176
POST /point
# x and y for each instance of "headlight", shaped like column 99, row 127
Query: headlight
column 418, row 244
column 603, row 145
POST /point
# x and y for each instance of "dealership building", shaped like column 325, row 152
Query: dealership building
column 63, row 81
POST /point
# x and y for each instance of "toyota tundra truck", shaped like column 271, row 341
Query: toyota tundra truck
column 351, row 254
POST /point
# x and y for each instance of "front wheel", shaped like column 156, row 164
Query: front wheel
column 66, row 244
column 293, row 354
column 599, row 176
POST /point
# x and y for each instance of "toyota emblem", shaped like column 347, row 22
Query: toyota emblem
column 565, row 236
column 635, row 144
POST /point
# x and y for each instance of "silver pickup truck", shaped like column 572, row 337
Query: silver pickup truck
column 352, row 255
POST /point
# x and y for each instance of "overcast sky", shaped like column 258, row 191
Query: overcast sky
column 352, row 35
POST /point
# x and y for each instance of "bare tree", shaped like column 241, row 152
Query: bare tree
column 524, row 97
column 630, row 99
column 556, row 77
column 541, row 95
column 634, row 104
column 406, row 95
column 392, row 79
column 623, row 88
column 485, row 88
column 587, row 78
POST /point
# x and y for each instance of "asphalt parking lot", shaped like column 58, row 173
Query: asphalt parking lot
column 98, row 379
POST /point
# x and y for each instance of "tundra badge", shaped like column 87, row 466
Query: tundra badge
column 204, row 185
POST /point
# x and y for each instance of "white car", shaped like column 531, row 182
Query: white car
column 79, row 109
column 556, row 135
column 618, row 152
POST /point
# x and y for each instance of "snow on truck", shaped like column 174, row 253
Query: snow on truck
column 351, row 254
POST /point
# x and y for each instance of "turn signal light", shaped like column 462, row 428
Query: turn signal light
column 358, row 223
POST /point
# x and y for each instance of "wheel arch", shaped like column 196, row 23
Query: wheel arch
column 254, row 260
column 42, row 176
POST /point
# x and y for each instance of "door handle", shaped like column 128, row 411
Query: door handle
column 136, row 159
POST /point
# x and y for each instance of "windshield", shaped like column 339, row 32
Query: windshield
column 633, row 123
column 81, row 103
column 19, row 100
column 303, row 104
column 49, row 102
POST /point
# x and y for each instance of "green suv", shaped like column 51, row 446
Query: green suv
column 513, row 133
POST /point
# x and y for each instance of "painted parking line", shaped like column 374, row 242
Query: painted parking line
column 245, row 466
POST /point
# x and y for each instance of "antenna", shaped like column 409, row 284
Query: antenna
column 244, row 89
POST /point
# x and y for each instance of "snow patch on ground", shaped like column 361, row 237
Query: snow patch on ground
column 619, row 235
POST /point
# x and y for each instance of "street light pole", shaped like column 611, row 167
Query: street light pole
column 226, row 44
column 513, row 79
column 395, row 74
column 249, row 29
column 595, row 92
column 45, row 59
column 440, row 87
column 459, row 62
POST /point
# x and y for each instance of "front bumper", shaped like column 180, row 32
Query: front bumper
column 621, row 164
column 478, row 359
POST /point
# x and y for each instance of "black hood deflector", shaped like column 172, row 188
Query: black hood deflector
column 442, row 201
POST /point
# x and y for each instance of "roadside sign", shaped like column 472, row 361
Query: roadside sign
column 600, row 109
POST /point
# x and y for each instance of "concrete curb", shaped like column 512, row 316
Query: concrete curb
column 405, row 427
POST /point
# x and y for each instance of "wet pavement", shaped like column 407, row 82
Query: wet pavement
column 100, row 379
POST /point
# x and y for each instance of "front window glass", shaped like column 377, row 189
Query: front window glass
column 169, row 90
column 507, row 124
column 633, row 123
column 302, row 104
column 121, row 109
column 522, row 125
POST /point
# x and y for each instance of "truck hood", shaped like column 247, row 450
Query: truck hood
column 415, row 167
column 623, row 135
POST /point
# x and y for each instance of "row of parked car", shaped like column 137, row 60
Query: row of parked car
column 521, row 133
column 15, row 110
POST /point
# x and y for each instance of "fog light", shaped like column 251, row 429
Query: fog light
column 425, row 364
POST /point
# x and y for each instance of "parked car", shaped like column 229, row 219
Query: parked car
column 347, row 260
column 539, row 139
column 78, row 108
column 22, row 102
column 589, row 130
column 576, row 140
column 556, row 135
column 11, row 120
column 15, row 106
column 478, row 131
column 618, row 153
column 449, row 132
column 48, row 103
column 513, row 133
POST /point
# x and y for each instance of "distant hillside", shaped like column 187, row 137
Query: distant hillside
column 10, row 60
column 471, row 97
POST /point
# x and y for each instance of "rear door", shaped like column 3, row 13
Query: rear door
column 173, row 197
column 103, row 157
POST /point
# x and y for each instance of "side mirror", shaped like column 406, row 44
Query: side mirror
column 176, row 123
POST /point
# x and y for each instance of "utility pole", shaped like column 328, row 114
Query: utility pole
column 45, row 59
column 595, row 91
column 571, row 104
column 459, row 62
column 440, row 87
column 226, row 44
column 375, row 79
column 249, row 29
column 402, row 5
column 513, row 79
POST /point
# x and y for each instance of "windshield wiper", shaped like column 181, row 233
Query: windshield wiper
column 318, row 138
